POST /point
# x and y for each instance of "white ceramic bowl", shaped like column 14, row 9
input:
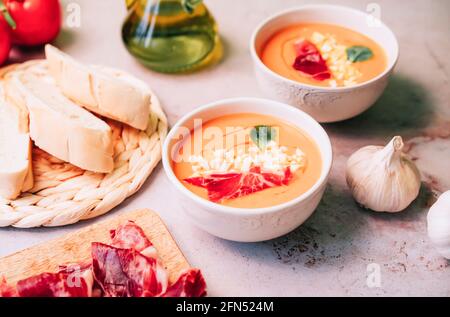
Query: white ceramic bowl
column 325, row 104
column 243, row 224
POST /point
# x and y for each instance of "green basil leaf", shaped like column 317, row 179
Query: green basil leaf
column 358, row 53
column 263, row 134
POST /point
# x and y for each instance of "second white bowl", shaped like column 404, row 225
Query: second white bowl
column 323, row 103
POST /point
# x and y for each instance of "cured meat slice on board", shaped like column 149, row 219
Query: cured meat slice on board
column 129, row 267
column 131, row 236
column 126, row 272
column 74, row 282
column 190, row 284
column 6, row 290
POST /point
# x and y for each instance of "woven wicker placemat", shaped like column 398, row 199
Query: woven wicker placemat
column 64, row 194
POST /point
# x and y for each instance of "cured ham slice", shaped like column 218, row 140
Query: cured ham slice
column 6, row 290
column 190, row 284
column 61, row 284
column 234, row 185
column 126, row 272
column 84, row 272
column 310, row 62
column 127, row 268
column 131, row 236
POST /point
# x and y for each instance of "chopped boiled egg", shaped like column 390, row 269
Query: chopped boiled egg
column 272, row 158
column 336, row 56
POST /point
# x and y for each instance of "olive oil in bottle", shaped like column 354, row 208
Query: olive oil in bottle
column 171, row 35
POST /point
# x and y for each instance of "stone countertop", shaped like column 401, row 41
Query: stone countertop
column 337, row 249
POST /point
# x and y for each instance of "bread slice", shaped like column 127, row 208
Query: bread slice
column 122, row 98
column 16, row 173
column 58, row 125
column 16, row 108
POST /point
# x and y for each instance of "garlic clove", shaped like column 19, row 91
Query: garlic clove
column 383, row 178
column 438, row 224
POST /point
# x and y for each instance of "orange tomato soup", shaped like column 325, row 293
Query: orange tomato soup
column 332, row 42
column 247, row 160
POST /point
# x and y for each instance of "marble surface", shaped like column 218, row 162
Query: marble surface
column 337, row 249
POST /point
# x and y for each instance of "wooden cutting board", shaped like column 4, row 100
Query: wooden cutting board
column 75, row 247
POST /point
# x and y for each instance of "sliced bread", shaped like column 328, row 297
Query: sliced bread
column 122, row 98
column 16, row 174
column 58, row 125
column 16, row 109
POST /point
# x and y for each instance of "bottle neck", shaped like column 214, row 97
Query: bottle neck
column 186, row 5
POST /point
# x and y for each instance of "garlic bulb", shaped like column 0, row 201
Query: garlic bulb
column 439, row 224
column 383, row 178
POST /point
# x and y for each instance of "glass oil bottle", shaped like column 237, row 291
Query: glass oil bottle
column 171, row 36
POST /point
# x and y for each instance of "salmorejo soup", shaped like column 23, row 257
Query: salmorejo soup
column 247, row 160
column 323, row 55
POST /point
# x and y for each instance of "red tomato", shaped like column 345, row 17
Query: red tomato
column 38, row 21
column 5, row 40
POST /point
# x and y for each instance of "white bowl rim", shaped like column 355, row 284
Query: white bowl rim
column 257, row 59
column 326, row 169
